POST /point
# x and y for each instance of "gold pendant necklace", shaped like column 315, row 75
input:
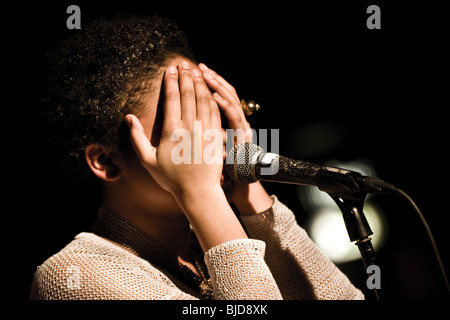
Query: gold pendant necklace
column 200, row 282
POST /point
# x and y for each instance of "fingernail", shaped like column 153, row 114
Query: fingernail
column 129, row 121
column 172, row 70
column 196, row 73
column 185, row 65
column 203, row 67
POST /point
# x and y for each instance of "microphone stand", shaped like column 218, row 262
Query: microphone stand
column 347, row 191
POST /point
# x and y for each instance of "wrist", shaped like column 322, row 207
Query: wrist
column 252, row 199
column 207, row 193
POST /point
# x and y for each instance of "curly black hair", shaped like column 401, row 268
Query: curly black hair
column 98, row 76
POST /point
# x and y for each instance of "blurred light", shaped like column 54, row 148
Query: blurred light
column 327, row 229
column 325, row 224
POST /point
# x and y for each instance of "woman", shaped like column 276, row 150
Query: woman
column 166, row 229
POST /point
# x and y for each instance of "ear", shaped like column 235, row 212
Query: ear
column 99, row 159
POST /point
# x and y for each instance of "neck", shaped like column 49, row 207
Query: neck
column 169, row 227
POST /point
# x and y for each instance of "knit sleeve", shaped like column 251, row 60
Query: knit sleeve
column 91, row 269
column 300, row 269
column 238, row 271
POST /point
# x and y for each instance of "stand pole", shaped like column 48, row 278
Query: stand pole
column 346, row 188
column 358, row 230
column 368, row 257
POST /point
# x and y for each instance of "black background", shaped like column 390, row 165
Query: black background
column 383, row 92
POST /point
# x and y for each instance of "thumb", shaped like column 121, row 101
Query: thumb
column 141, row 144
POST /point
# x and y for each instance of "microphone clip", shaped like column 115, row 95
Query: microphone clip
column 349, row 189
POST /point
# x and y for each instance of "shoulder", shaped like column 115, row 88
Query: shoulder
column 87, row 248
column 91, row 267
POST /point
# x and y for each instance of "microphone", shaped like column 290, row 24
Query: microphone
column 247, row 163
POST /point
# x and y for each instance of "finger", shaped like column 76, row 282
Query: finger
column 219, row 79
column 141, row 144
column 236, row 119
column 215, row 115
column 215, row 85
column 203, row 98
column 172, row 103
column 187, row 92
column 226, row 98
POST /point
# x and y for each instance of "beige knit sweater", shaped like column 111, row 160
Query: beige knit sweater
column 278, row 262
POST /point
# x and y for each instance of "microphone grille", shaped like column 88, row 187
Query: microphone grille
column 239, row 162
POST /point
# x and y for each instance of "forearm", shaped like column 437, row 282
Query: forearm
column 238, row 271
column 235, row 263
column 299, row 267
